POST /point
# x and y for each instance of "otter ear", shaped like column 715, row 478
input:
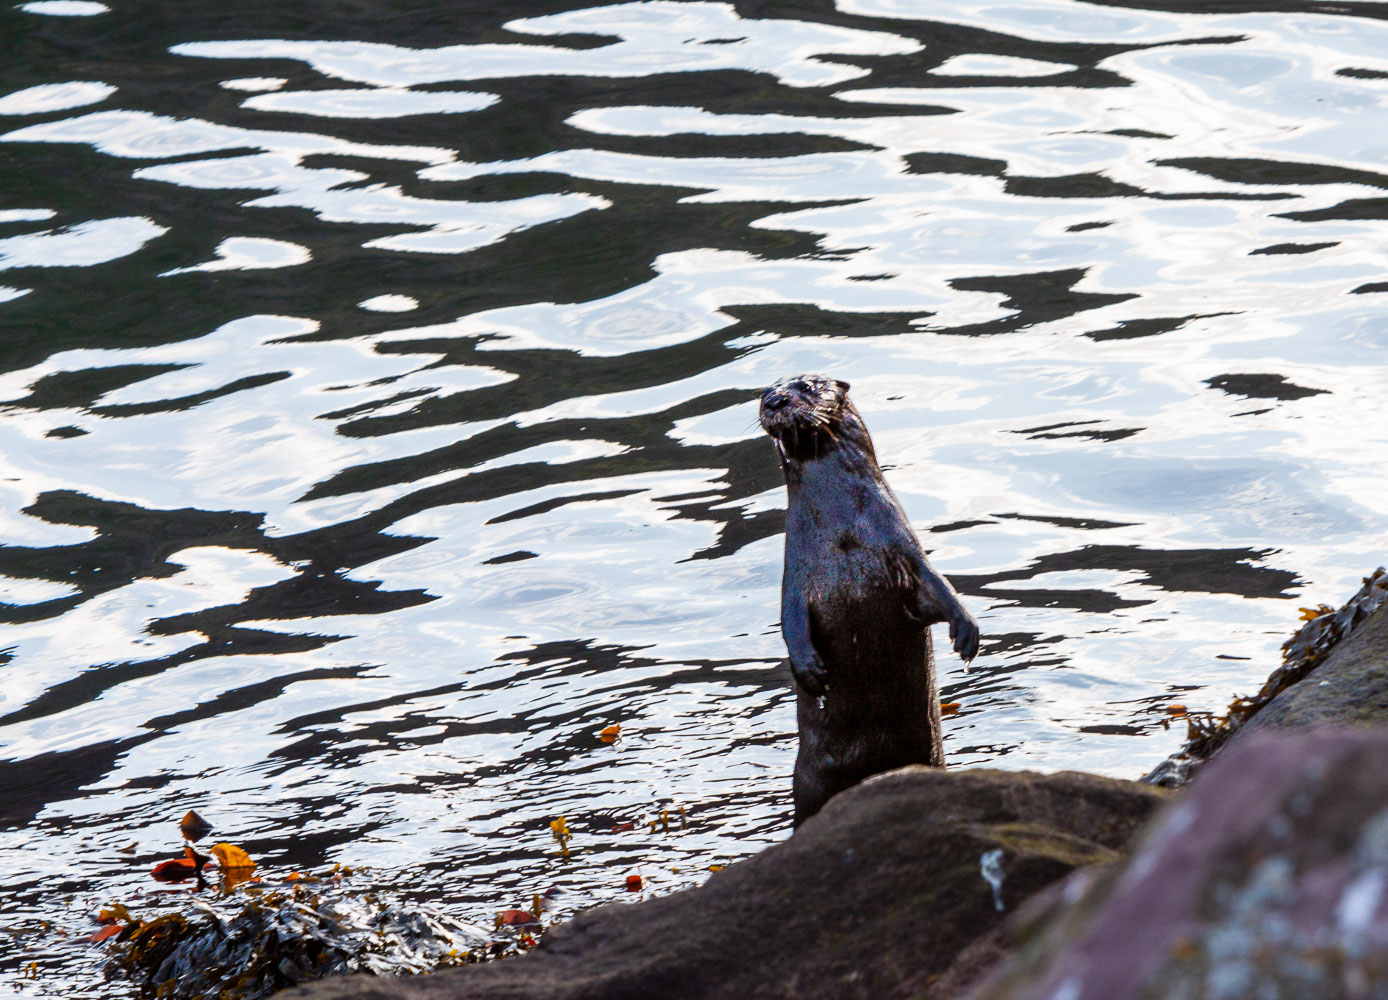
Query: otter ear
column 843, row 386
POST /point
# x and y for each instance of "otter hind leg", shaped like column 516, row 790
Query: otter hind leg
column 810, row 786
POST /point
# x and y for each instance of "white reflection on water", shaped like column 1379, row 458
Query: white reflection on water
column 257, row 448
column 115, row 627
column 245, row 253
column 684, row 301
column 812, row 177
column 81, row 245
column 389, row 303
column 8, row 215
column 973, row 64
column 655, row 37
column 21, row 591
column 1047, row 20
column 254, row 84
column 670, row 604
column 380, row 102
column 65, row 8
column 453, row 226
column 140, row 135
column 54, row 97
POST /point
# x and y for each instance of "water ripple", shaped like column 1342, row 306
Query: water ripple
column 380, row 410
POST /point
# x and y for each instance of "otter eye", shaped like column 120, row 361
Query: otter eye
column 800, row 385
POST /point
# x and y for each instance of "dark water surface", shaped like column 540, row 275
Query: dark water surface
column 378, row 423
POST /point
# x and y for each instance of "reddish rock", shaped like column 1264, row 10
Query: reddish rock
column 1267, row 878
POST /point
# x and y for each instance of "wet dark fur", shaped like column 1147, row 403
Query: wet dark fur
column 857, row 597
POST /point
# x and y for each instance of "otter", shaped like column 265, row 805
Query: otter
column 858, row 597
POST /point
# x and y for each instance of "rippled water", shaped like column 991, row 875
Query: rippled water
column 378, row 422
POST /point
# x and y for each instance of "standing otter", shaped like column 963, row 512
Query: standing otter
column 857, row 599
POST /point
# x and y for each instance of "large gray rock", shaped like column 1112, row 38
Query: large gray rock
column 1266, row 880
column 876, row 896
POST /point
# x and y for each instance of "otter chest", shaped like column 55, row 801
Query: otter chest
column 843, row 541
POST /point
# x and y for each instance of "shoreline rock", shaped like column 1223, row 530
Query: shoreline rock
column 1320, row 647
column 1267, row 879
column 879, row 895
column 892, row 891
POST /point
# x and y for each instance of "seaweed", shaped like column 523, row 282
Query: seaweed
column 1324, row 629
column 252, row 942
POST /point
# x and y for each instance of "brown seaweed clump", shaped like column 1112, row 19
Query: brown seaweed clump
column 257, row 942
column 1307, row 649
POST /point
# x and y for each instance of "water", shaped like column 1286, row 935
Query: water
column 378, row 407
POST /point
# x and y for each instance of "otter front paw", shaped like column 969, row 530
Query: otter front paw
column 810, row 675
column 963, row 634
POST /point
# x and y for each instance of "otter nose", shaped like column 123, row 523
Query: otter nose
column 773, row 400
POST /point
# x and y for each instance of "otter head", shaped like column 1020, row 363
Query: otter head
column 809, row 416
